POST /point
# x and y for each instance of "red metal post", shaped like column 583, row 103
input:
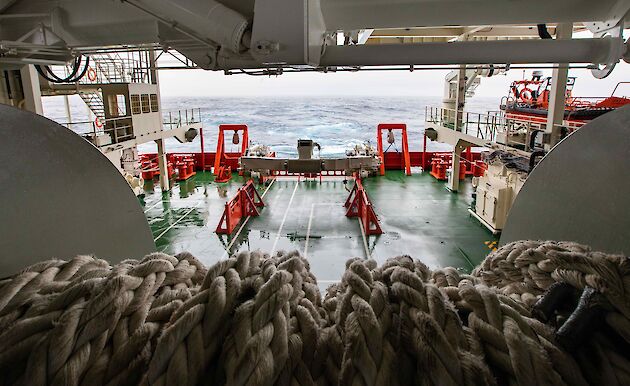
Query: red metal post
column 379, row 147
column 245, row 140
column 406, row 150
column 219, row 153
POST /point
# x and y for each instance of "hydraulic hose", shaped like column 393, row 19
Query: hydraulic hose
column 47, row 73
column 543, row 32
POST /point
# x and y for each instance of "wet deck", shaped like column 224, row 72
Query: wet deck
column 418, row 215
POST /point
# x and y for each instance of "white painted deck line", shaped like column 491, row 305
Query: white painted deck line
column 175, row 223
column 284, row 219
column 308, row 230
column 310, row 222
column 365, row 244
column 152, row 206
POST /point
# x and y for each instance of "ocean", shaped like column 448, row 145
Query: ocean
column 336, row 123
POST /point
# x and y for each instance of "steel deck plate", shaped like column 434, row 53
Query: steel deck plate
column 418, row 215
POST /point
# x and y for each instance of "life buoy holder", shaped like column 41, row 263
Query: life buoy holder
column 91, row 74
column 526, row 95
column 98, row 123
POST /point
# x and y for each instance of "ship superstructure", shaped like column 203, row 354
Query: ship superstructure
column 549, row 166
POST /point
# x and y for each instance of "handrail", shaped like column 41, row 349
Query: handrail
column 182, row 117
column 479, row 125
column 113, row 68
column 114, row 126
column 487, row 126
column 617, row 86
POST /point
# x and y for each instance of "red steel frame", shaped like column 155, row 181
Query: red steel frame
column 359, row 205
column 405, row 144
column 244, row 204
column 223, row 174
column 392, row 161
column 221, row 156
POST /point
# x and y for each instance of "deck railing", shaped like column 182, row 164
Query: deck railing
column 105, row 68
column 484, row 126
column 494, row 123
column 120, row 128
column 184, row 117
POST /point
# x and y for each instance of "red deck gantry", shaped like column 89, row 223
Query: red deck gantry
column 359, row 205
column 405, row 144
column 221, row 158
column 244, row 204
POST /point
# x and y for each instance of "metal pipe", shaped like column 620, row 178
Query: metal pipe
column 208, row 22
column 600, row 50
column 359, row 14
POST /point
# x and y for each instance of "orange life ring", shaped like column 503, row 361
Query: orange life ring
column 526, row 95
column 98, row 123
column 91, row 74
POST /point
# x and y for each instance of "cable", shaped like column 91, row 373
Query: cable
column 48, row 74
column 543, row 32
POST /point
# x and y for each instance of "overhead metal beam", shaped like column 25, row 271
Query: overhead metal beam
column 474, row 31
column 358, row 14
column 418, row 32
column 487, row 52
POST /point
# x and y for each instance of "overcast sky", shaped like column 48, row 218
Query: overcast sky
column 369, row 83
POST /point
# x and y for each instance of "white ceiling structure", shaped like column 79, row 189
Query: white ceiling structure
column 304, row 35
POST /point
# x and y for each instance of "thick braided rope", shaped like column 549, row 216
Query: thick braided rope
column 431, row 332
column 190, row 342
column 72, row 328
column 256, row 348
column 304, row 323
column 364, row 319
column 260, row 320
column 528, row 268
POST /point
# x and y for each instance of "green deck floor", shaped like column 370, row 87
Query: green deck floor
column 418, row 215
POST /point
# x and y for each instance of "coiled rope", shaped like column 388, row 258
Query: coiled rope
column 531, row 313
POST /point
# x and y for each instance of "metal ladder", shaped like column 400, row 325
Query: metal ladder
column 94, row 101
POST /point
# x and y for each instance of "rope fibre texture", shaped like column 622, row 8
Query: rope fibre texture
column 255, row 319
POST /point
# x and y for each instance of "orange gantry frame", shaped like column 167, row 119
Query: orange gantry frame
column 405, row 144
column 244, row 204
column 221, row 156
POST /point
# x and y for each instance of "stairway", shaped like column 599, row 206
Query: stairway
column 95, row 102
